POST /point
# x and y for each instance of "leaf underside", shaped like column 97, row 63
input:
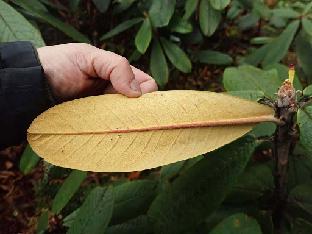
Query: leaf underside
column 114, row 133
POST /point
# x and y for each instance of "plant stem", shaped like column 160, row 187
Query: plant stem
column 286, row 108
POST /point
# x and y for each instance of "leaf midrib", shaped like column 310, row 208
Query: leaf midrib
column 211, row 123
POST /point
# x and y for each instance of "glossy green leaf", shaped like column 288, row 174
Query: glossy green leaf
column 252, row 95
column 170, row 171
column 248, row 21
column 102, row 5
column 308, row 91
column 43, row 222
column 121, row 28
column 135, row 56
column 246, row 3
column 209, row 18
column 279, row 47
column 213, row 57
column 73, row 4
column 301, row 196
column 274, row 51
column 278, row 22
column 67, row 190
column 69, row 219
column 252, row 184
column 264, row 219
column 180, row 25
column 219, row 4
column 95, row 212
column 36, row 4
column 282, row 71
column 218, row 216
column 132, row 199
column 304, row 54
column 143, row 36
column 161, row 12
column 65, row 28
column 299, row 203
column 301, row 226
column 263, row 130
column 177, row 56
column 251, row 78
column 200, row 190
column 234, row 10
column 189, row 8
column 14, row 27
column 286, row 13
column 138, row 225
column 122, row 5
column 307, row 8
column 299, row 169
column 304, row 120
column 158, row 64
column 54, row 6
column 262, row 9
column 261, row 40
column 307, row 26
column 191, row 162
column 29, row 160
column 237, row 223
column 257, row 55
column 55, row 22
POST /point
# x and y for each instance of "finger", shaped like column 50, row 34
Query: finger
column 117, row 69
column 123, row 79
column 147, row 83
column 148, row 86
column 140, row 75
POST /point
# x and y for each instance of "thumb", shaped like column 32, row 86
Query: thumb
column 113, row 67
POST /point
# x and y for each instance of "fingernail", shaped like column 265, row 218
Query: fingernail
column 135, row 86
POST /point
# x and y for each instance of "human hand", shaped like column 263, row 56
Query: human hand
column 79, row 70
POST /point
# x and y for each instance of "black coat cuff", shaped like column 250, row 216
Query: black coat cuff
column 24, row 93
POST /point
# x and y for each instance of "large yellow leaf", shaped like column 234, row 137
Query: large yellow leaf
column 115, row 133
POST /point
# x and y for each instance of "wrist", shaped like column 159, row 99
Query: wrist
column 51, row 85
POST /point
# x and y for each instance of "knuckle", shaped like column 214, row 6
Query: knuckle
column 81, row 61
column 123, row 61
column 85, row 45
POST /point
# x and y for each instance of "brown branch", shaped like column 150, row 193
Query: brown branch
column 286, row 108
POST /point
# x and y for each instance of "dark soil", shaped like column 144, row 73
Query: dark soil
column 17, row 200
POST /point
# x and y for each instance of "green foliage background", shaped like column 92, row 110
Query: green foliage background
column 226, row 191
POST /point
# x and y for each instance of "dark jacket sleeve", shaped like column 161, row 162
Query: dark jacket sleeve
column 24, row 93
